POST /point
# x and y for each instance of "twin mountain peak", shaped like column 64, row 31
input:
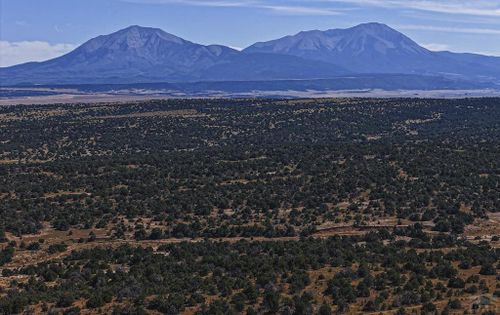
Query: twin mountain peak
column 144, row 54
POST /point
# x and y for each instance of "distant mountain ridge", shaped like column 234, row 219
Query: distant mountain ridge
column 137, row 53
column 377, row 48
column 141, row 54
column 364, row 48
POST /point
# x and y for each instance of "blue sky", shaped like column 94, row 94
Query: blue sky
column 43, row 29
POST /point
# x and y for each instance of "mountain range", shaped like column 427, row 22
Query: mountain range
column 144, row 55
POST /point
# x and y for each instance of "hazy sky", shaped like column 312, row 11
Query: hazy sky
column 42, row 29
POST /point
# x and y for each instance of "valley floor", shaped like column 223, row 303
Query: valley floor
column 26, row 96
